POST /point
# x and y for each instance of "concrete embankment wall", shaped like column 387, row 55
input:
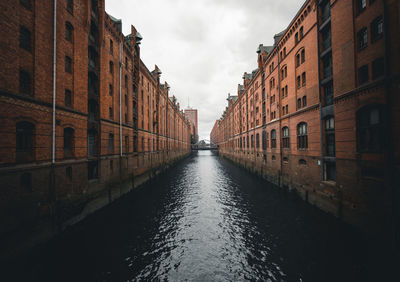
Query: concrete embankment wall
column 49, row 209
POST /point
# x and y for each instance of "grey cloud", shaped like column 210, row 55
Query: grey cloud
column 203, row 47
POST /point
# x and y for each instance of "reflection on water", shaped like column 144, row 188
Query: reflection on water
column 204, row 220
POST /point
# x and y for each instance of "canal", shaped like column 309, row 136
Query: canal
column 203, row 220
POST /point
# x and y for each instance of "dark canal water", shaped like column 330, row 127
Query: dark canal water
column 203, row 220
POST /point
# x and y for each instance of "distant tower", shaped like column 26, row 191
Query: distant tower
column 191, row 114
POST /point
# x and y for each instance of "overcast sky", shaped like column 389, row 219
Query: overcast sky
column 203, row 47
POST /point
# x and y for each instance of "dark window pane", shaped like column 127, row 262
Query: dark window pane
column 68, row 98
column 25, row 38
column 68, row 64
column 363, row 74
column 24, row 82
column 378, row 68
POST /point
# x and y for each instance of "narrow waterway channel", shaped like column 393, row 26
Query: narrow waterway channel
column 203, row 220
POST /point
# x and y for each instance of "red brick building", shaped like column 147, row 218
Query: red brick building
column 82, row 118
column 191, row 114
column 320, row 114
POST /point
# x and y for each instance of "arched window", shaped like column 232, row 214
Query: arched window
column 285, row 137
column 24, row 141
column 302, row 162
column 69, row 32
column 68, row 142
column 303, row 56
column 370, row 129
column 302, row 138
column 273, row 138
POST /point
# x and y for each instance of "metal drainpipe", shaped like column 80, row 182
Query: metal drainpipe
column 120, row 101
column 151, row 127
column 321, row 137
column 53, row 143
column 280, row 119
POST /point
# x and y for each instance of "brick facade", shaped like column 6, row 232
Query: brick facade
column 100, row 114
column 309, row 119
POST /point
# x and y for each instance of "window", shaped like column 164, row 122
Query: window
column 303, row 79
column 301, row 33
column 68, row 142
column 26, row 4
column 302, row 138
column 297, row 60
column 135, row 143
column 252, row 141
column 376, row 29
column 302, row 162
column 362, row 38
column 296, row 37
column 126, row 63
column 111, row 112
column 273, row 138
column 284, row 52
column 378, row 68
column 92, row 108
column 68, row 64
column 264, row 140
column 361, row 5
column 111, row 66
column 298, row 82
column 327, row 66
column 330, row 136
column 326, row 38
column 68, row 98
column 257, row 140
column 24, row 141
column 93, row 170
column 70, row 6
column 126, row 144
column 285, row 138
column 111, row 143
column 303, row 56
column 370, row 129
column 298, row 103
column 25, row 38
column 363, row 74
column 325, row 11
column 328, row 93
column 110, row 89
column 304, row 101
column 247, row 142
column 24, row 82
column 69, row 31
column 111, row 47
column 330, row 171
